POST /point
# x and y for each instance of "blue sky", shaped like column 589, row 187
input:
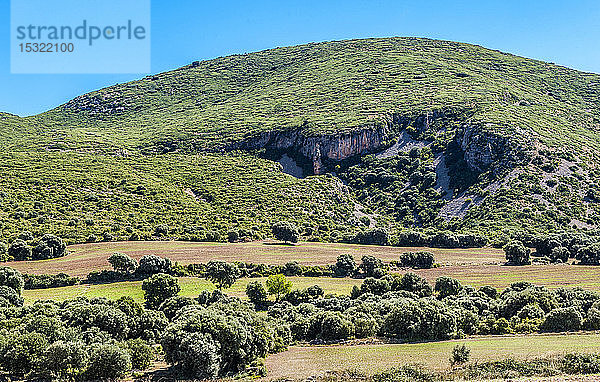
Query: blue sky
column 564, row 32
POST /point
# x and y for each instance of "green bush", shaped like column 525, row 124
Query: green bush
column 460, row 355
column 563, row 320
column 345, row 266
column 122, row 263
column 158, row 288
column 64, row 360
column 19, row 250
column 285, row 231
column 141, row 354
column 446, row 286
column 108, row 362
column 516, row 253
column 256, row 292
column 49, row 247
column 221, row 273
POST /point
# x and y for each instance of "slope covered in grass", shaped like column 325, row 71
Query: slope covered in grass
column 507, row 144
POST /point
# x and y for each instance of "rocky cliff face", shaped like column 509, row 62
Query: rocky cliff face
column 483, row 149
column 317, row 149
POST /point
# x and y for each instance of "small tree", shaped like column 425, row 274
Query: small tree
column 221, row 273
column 278, row 285
column 372, row 266
column 12, row 279
column 460, row 355
column 345, row 266
column 285, row 232
column 4, row 252
column 256, row 292
column 151, row 264
column 141, row 353
column 49, row 247
column 233, row 236
column 108, row 362
column 158, row 288
column 447, row 286
column 19, row 250
column 65, row 360
column 516, row 253
column 122, row 263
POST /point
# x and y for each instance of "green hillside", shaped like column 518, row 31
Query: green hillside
column 504, row 143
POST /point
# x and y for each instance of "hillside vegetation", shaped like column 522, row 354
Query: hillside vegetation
column 400, row 132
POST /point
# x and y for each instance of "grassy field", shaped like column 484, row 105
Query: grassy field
column 84, row 258
column 190, row 286
column 476, row 266
column 304, row 361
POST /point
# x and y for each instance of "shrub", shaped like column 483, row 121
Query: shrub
column 516, row 253
column 12, row 278
column 9, row 297
column 559, row 254
column 198, row 357
column 213, row 236
column 141, row 354
column 412, row 239
column 4, row 252
column 372, row 285
column 446, row 286
column 152, row 264
column 460, row 355
column 372, row 266
column 221, row 273
column 108, row 362
column 416, row 284
column 158, row 288
column 20, row 353
column 49, row 247
column 292, row 268
column 278, row 285
column 122, row 263
column 256, row 292
column 419, row 260
column 64, row 360
column 425, row 319
column 171, row 306
column 592, row 321
column 19, row 250
column 49, row 281
column 563, row 320
column 219, row 339
column 335, row 327
column 161, row 230
column 345, row 266
column 574, row 363
column 233, row 236
column 589, row 255
column 375, row 236
column 285, row 232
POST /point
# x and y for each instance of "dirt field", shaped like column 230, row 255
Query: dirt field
column 84, row 258
column 306, row 361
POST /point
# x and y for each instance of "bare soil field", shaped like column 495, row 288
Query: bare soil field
column 84, row 258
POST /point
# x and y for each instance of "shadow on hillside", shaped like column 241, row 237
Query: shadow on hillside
column 282, row 244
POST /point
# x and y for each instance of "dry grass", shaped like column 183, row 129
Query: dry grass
column 552, row 276
column 305, row 361
column 84, row 258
